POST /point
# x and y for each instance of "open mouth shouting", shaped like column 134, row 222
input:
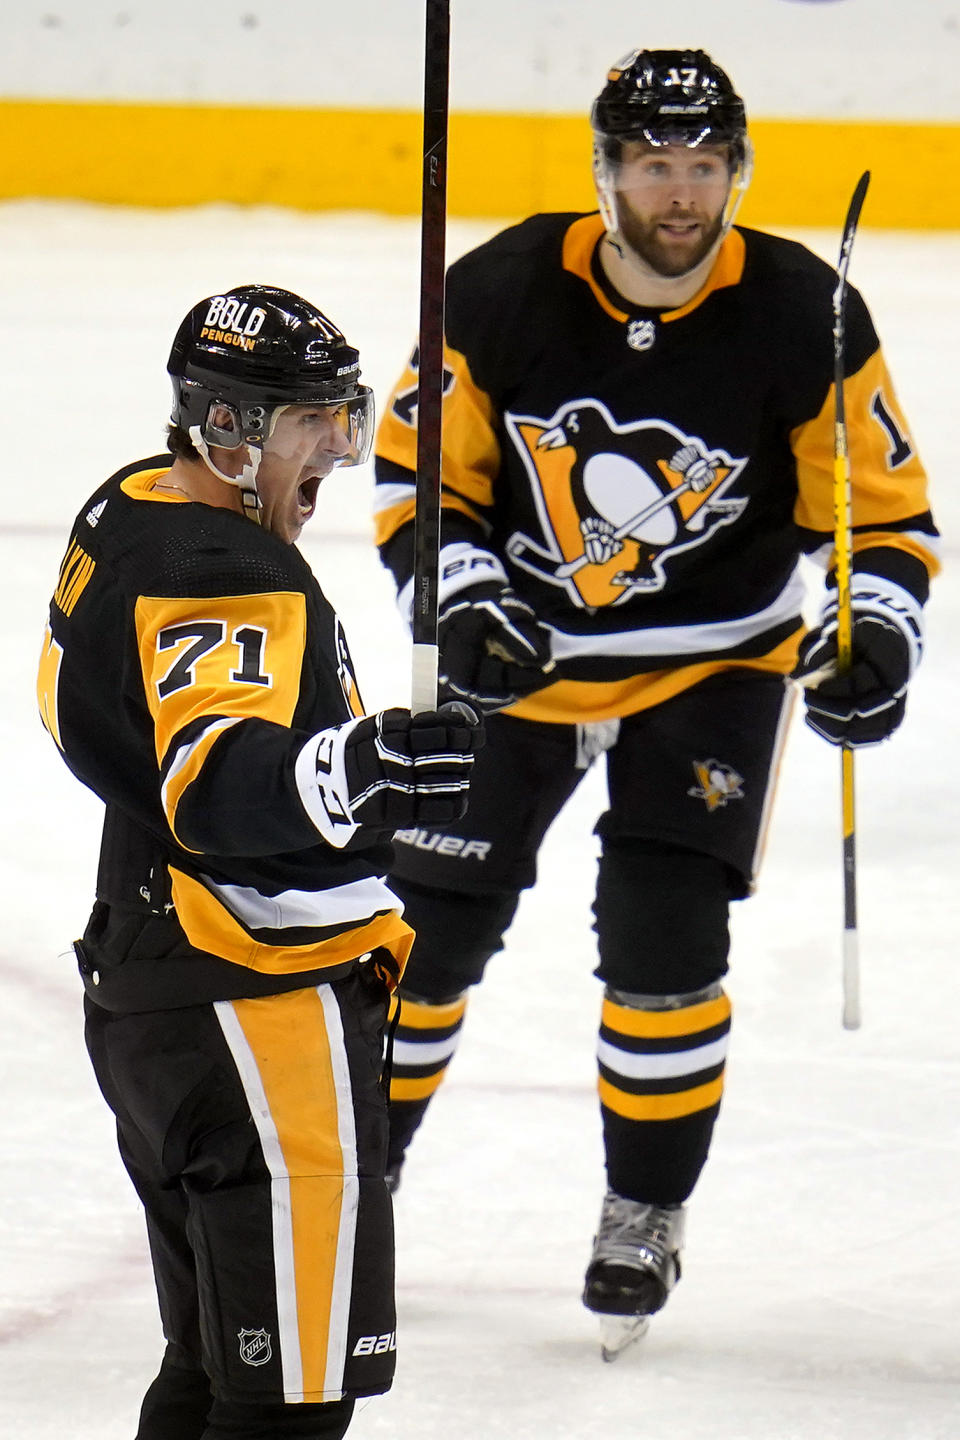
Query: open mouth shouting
column 307, row 495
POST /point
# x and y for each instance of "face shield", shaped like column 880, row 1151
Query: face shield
column 341, row 428
column 323, row 433
column 635, row 171
column 319, row 436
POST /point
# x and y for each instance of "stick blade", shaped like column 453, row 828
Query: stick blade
column 856, row 201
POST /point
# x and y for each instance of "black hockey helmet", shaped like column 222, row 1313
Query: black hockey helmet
column 668, row 97
column 678, row 97
column 254, row 350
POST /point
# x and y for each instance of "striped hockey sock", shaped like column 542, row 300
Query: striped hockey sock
column 423, row 1046
column 661, row 1065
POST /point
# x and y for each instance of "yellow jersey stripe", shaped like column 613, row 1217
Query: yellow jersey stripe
column 580, row 701
column 897, row 540
column 209, row 926
column 387, row 522
column 186, row 769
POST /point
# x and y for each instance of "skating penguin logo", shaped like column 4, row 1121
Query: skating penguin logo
column 615, row 502
column 716, row 784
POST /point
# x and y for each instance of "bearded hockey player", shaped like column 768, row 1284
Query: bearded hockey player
column 244, row 941
column 638, row 447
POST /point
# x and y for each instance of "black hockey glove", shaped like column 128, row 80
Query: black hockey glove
column 865, row 705
column 389, row 771
column 492, row 648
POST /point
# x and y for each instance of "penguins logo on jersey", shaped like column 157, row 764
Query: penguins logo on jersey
column 615, row 502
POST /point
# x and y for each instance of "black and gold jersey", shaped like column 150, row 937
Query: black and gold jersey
column 649, row 480
column 188, row 659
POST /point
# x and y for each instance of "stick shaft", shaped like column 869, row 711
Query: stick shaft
column 430, row 378
column 843, row 551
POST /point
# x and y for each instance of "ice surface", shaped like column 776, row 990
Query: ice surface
column 821, row 1295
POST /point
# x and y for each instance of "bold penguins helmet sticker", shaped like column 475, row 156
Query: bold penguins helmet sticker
column 615, row 502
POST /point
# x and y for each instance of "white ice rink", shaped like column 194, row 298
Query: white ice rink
column 822, row 1284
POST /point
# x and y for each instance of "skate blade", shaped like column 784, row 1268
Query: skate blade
column 619, row 1332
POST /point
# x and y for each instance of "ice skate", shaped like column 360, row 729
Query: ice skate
column 619, row 1332
column 634, row 1266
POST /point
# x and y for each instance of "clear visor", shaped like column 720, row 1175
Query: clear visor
column 646, row 168
column 667, row 169
column 326, row 433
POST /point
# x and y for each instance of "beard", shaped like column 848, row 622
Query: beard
column 670, row 260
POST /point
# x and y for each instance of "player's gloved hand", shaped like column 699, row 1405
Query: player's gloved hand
column 492, row 648
column 698, row 469
column 389, row 771
column 865, row 705
column 600, row 542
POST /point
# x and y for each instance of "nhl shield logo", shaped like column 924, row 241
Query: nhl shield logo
column 641, row 334
column 254, row 1347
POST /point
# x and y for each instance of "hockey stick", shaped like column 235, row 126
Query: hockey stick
column 430, row 379
column 843, row 549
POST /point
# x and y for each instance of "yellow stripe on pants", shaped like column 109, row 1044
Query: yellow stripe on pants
column 294, row 1073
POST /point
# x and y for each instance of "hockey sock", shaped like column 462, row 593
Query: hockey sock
column 423, row 1046
column 230, row 1420
column 661, row 1062
column 176, row 1404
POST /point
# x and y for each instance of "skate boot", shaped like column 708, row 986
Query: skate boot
column 634, row 1266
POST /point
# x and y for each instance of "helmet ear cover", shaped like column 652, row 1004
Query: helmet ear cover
column 229, row 436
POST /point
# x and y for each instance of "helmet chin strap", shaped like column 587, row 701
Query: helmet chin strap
column 245, row 482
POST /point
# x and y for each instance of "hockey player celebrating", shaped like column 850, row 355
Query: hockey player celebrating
column 638, row 446
column 243, row 944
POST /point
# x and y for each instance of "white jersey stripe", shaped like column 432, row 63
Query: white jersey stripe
column 387, row 495
column 183, row 755
column 790, row 692
column 341, row 904
column 711, row 638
